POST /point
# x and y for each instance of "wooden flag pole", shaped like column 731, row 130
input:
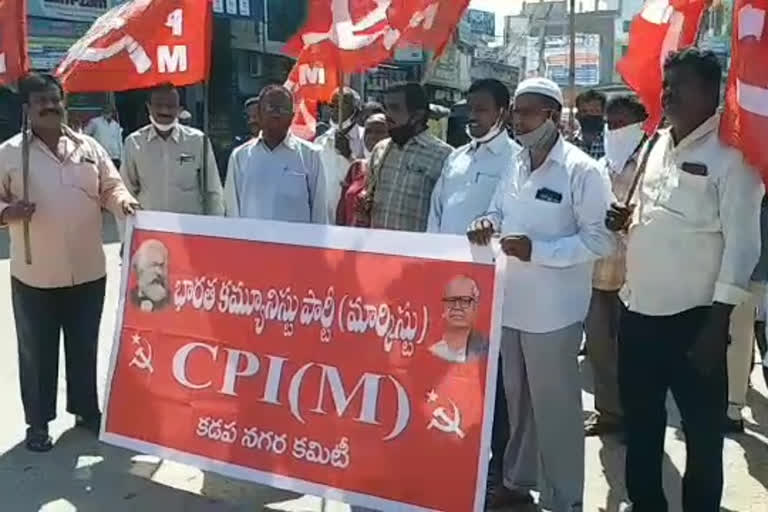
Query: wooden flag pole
column 25, row 179
column 204, row 167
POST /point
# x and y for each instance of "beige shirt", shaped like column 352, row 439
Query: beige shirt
column 695, row 237
column 166, row 175
column 69, row 193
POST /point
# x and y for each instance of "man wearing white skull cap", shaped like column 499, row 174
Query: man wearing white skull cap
column 548, row 213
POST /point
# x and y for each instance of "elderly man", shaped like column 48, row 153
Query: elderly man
column 163, row 162
column 547, row 212
column 150, row 262
column 62, row 289
column 276, row 176
column 406, row 167
column 693, row 242
column 460, row 342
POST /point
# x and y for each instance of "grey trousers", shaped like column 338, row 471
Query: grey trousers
column 541, row 380
column 602, row 329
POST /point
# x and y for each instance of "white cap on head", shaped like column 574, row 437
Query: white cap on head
column 543, row 86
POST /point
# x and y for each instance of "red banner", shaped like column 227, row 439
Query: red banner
column 662, row 27
column 354, row 364
column 13, row 40
column 745, row 121
column 312, row 80
column 141, row 44
column 360, row 34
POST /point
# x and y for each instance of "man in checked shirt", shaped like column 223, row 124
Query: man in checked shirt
column 405, row 167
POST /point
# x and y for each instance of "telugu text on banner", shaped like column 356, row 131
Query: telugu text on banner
column 355, row 364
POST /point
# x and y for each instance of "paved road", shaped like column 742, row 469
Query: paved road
column 81, row 474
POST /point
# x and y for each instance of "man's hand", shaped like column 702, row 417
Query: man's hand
column 17, row 211
column 343, row 146
column 618, row 217
column 518, row 246
column 710, row 349
column 364, row 203
column 480, row 231
column 130, row 206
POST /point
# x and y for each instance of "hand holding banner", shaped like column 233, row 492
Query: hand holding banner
column 353, row 364
column 141, row 44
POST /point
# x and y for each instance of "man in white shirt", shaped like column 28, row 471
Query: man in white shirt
column 276, row 176
column 342, row 144
column 460, row 342
column 548, row 214
column 107, row 132
column 693, row 242
column 471, row 173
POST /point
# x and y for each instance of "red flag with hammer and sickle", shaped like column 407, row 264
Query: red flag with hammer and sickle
column 13, row 40
column 745, row 120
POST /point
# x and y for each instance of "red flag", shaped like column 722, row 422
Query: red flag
column 13, row 40
column 313, row 81
column 359, row 34
column 140, row 44
column 662, row 27
column 745, row 120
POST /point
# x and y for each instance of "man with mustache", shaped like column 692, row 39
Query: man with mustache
column 405, row 167
column 163, row 162
column 151, row 266
column 693, row 241
column 71, row 178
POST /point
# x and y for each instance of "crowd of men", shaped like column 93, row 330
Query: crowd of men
column 645, row 244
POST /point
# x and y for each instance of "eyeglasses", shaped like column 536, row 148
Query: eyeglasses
column 463, row 302
column 280, row 110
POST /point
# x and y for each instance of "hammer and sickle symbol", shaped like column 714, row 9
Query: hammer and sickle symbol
column 448, row 424
column 142, row 359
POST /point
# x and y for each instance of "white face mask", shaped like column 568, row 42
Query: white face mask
column 539, row 137
column 621, row 144
column 492, row 133
column 163, row 127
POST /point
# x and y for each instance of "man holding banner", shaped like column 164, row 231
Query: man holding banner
column 71, row 179
column 548, row 213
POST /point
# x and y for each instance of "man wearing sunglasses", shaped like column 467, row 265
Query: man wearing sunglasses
column 460, row 342
column 276, row 176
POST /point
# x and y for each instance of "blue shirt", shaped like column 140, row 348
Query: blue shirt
column 467, row 183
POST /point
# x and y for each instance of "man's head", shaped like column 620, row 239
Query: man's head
column 488, row 101
column 368, row 109
column 537, row 100
column 252, row 116
column 460, row 303
column 624, row 111
column 275, row 112
column 108, row 111
column 375, row 130
column 350, row 104
column 691, row 88
column 164, row 106
column 151, row 265
column 407, row 111
column 590, row 107
column 43, row 95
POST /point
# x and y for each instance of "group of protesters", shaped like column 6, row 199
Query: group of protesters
column 644, row 246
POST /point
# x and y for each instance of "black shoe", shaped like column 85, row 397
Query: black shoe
column 499, row 497
column 38, row 440
column 731, row 426
column 91, row 423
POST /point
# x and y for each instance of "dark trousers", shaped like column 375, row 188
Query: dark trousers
column 41, row 315
column 653, row 359
column 500, row 432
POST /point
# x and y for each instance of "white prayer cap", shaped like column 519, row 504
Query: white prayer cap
column 376, row 118
column 543, row 86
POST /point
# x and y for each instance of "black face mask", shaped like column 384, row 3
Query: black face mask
column 591, row 124
column 402, row 134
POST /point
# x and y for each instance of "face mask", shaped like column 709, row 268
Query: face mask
column 591, row 124
column 163, row 127
column 346, row 125
column 402, row 134
column 492, row 133
column 539, row 137
column 621, row 144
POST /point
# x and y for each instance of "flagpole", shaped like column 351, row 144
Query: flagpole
column 206, row 142
column 25, row 178
column 572, row 70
